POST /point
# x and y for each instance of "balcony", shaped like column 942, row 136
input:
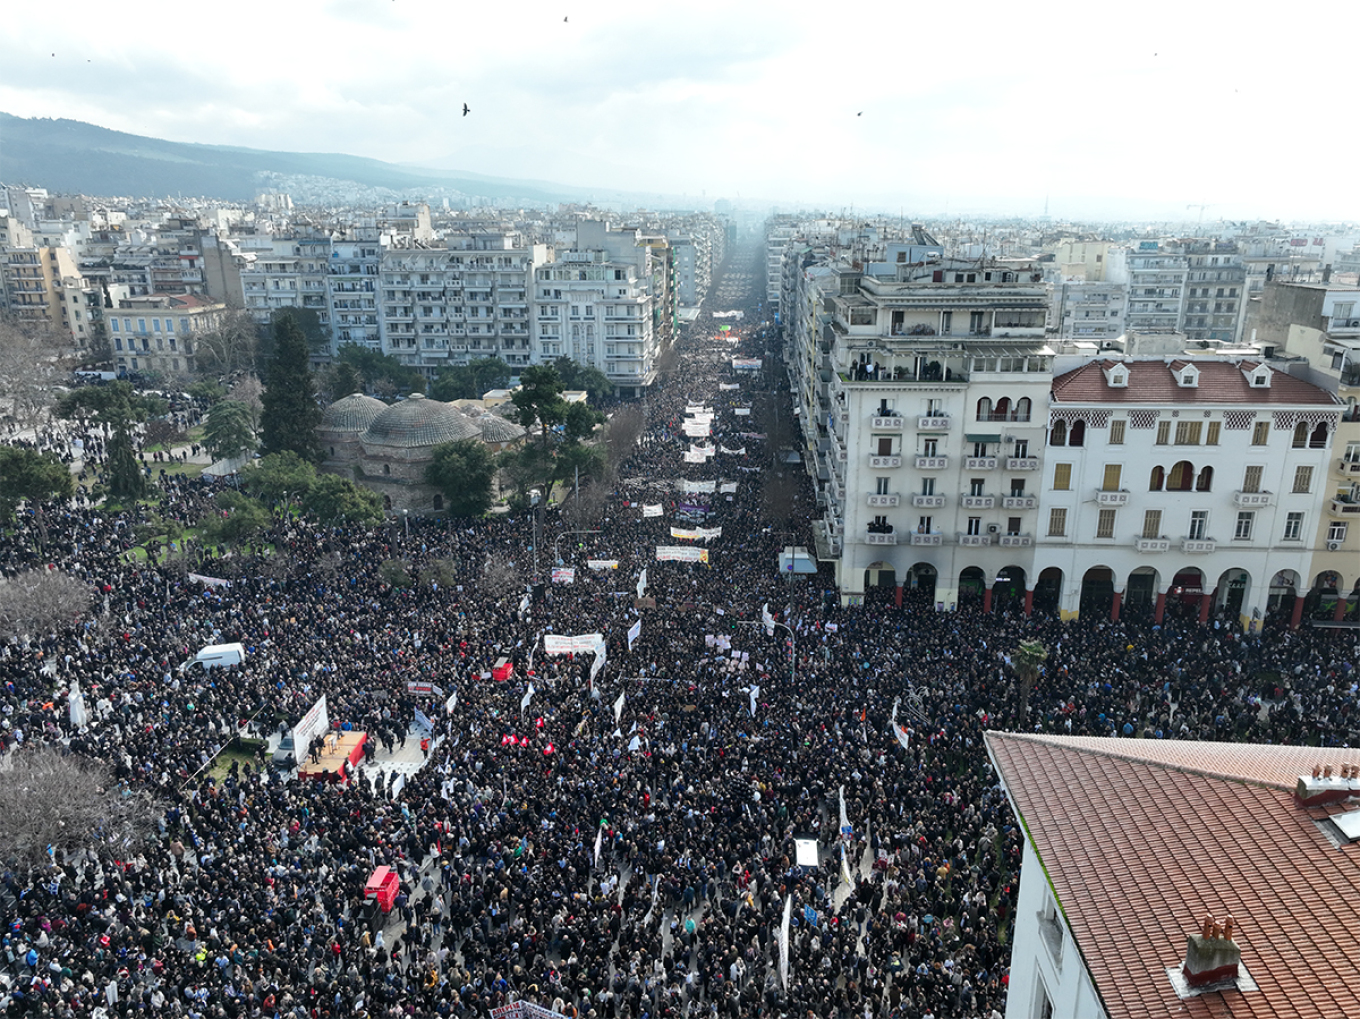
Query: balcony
column 1344, row 327
column 935, row 423
column 933, row 538
column 975, row 540
column 1013, row 417
column 1252, row 500
column 1119, row 497
column 931, row 463
column 1198, row 546
column 980, row 463
column 887, row 423
column 880, row 537
column 876, row 499
column 927, row 501
column 1019, row 502
column 979, row 502
column 1022, row 463
column 1345, row 466
column 1150, row 545
column 883, row 462
column 1343, row 507
column 1015, row 540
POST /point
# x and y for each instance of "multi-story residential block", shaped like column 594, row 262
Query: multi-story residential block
column 1215, row 292
column 1090, row 311
column 33, row 277
column 352, row 286
column 157, row 333
column 1320, row 322
column 921, row 385
column 1156, row 280
column 1195, row 481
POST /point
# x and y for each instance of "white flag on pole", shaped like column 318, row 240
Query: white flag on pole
column 903, row 737
column 618, row 708
column 642, row 582
column 599, row 834
column 767, row 619
column 784, row 941
column 528, row 696
column 846, row 829
column 755, row 692
column 634, row 632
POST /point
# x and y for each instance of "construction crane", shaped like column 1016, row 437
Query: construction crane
column 1201, row 207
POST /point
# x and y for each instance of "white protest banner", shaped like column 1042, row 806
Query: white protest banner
column 528, row 696
column 767, row 619
column 708, row 533
column 603, row 564
column 210, row 581
column 634, row 632
column 563, row 575
column 746, row 364
column 599, row 834
column 729, row 386
column 681, row 554
column 452, row 702
column 618, row 708
column 784, row 942
column 642, row 582
column 727, row 488
column 651, row 511
column 696, row 430
column 698, row 409
column 314, row 723
column 423, row 722
column 693, row 487
column 601, row 656
column 742, row 412
column 755, row 693
column 902, row 736
column 561, row 644
column 706, row 451
column 681, row 532
column 805, row 852
column 732, row 452
column 693, row 457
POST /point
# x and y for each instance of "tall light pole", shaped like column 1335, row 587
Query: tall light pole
column 793, row 641
column 558, row 555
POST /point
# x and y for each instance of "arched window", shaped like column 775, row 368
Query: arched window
column 439, row 502
column 1182, row 477
column 387, row 468
column 1300, row 435
column 1077, row 437
column 1003, row 409
column 1057, row 435
column 1318, row 440
column 984, row 409
column 1022, row 409
column 1156, row 480
column 1205, row 481
column 387, row 502
column 332, row 451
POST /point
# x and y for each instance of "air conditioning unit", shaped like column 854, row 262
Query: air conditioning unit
column 1333, row 546
column 993, row 528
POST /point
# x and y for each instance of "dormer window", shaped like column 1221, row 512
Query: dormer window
column 1187, row 376
column 1116, row 375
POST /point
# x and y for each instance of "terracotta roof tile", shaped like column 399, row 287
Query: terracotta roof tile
column 1143, row 838
column 1220, row 382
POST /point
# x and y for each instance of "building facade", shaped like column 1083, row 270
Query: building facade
column 157, row 333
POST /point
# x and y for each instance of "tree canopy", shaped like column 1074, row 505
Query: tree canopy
column 575, row 375
column 27, row 475
column 471, row 381
column 279, row 476
column 381, row 373
column 337, row 500
column 229, row 429
column 463, row 471
column 118, row 406
column 291, row 414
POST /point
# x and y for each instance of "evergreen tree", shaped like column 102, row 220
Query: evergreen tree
column 291, row 415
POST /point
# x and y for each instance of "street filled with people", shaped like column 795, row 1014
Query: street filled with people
column 606, row 834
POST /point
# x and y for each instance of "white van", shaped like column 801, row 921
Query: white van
column 216, row 656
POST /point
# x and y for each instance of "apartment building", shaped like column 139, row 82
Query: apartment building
column 1156, row 279
column 157, row 332
column 1215, row 291
column 1197, row 481
column 352, row 286
column 1090, row 311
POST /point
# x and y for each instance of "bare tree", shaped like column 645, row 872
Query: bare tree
column 248, row 391
column 39, row 601
column 625, row 427
column 230, row 346
column 586, row 507
column 34, row 358
column 67, row 802
column 500, row 576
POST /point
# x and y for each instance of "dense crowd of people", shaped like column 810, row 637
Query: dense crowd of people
column 610, row 845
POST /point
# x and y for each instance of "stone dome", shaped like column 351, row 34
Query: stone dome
column 416, row 422
column 498, row 429
column 351, row 413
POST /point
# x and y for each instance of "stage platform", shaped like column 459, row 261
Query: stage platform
column 348, row 746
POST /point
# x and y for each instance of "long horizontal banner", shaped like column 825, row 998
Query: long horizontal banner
column 728, row 488
column 681, row 554
column 651, row 511
column 732, row 452
column 695, row 430
column 691, row 487
column 696, row 533
column 699, row 408
column 603, row 564
column 703, row 450
column 563, row 575
column 562, row 644
column 693, row 456
column 727, row 386
column 746, row 364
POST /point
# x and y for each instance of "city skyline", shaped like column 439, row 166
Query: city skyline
column 1108, row 117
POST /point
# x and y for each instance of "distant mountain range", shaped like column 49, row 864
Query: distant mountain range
column 74, row 157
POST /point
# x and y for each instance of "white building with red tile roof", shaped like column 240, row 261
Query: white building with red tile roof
column 1194, row 480
column 1130, row 844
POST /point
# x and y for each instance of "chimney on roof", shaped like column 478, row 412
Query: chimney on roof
column 1211, row 956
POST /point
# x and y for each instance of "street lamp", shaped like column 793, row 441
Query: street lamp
column 793, row 640
column 558, row 555
column 406, row 520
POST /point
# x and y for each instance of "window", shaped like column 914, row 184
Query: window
column 1117, row 433
column 1077, row 436
column 1205, row 481
column 930, row 447
column 979, row 449
column 1057, row 522
column 1017, row 488
column 975, row 486
column 155, row 325
column 1300, row 435
column 1260, row 433
column 1111, row 480
column 1199, row 524
column 1187, row 433
column 1336, row 531
column 923, row 525
column 1105, row 524
column 974, row 525
column 1245, row 520
column 1057, row 435
column 114, row 322
column 1251, row 479
column 1163, row 432
column 884, row 443
column 1156, row 479
column 1062, row 477
column 1012, row 525
column 1152, row 523
column 927, row 486
column 1214, row 428
column 1293, row 526
column 1022, row 449
column 1303, row 480
column 881, row 486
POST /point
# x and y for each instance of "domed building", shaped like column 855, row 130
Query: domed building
column 388, row 448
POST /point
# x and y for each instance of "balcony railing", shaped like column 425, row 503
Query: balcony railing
column 1120, row 497
column 934, row 423
column 1023, row 463
column 877, row 499
column 1252, row 500
column 975, row 539
column 931, row 463
column 880, row 538
column 1198, row 546
column 1016, row 417
column 1150, row 545
column 884, row 462
column 1345, row 466
column 1019, row 502
column 927, row 501
column 1344, row 507
column 978, row 501
column 980, row 463
column 1016, row 540
column 888, row 422
column 929, row 538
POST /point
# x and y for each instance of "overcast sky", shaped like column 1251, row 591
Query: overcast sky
column 1136, row 109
